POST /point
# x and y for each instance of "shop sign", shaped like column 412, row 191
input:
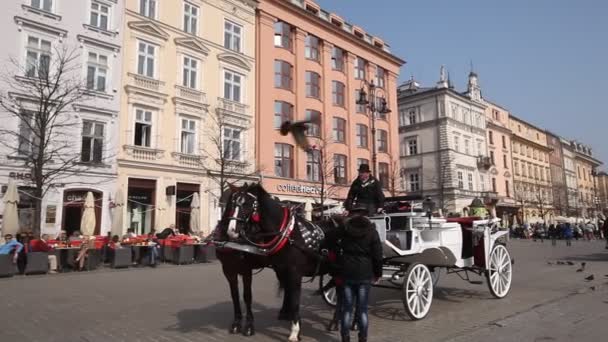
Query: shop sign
column 75, row 197
column 20, row 175
column 298, row 188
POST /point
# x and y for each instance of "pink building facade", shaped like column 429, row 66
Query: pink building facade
column 312, row 63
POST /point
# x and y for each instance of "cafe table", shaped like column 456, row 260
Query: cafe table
column 66, row 256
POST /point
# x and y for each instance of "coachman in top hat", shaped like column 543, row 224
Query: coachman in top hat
column 365, row 195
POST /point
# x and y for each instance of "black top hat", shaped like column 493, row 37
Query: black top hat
column 364, row 168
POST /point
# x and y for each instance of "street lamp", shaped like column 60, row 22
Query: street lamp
column 371, row 102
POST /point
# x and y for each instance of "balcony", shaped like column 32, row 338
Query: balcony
column 143, row 153
column 187, row 160
column 490, row 197
column 146, row 83
column 190, row 94
column 484, row 163
column 231, row 106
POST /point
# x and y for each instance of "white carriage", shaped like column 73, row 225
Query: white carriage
column 416, row 247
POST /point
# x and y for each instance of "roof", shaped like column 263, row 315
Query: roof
column 421, row 91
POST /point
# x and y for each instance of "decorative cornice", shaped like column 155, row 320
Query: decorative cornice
column 235, row 60
column 21, row 21
column 192, row 44
column 99, row 43
column 149, row 27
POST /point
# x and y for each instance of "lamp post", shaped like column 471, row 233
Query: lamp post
column 370, row 102
column 596, row 199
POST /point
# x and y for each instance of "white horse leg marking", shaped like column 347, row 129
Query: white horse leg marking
column 295, row 332
column 232, row 225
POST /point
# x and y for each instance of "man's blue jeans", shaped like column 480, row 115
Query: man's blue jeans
column 355, row 292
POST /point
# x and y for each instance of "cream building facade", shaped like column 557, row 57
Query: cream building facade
column 186, row 64
column 586, row 170
column 532, row 172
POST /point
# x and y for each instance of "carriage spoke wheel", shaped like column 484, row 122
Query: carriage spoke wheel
column 330, row 295
column 417, row 291
column 500, row 271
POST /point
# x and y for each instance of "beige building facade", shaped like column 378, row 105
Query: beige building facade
column 531, row 170
column 186, row 64
column 587, row 205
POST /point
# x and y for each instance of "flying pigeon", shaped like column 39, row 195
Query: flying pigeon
column 590, row 278
column 298, row 130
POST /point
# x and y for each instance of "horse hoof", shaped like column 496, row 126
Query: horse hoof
column 235, row 329
column 249, row 330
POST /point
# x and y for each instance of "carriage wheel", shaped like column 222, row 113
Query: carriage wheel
column 500, row 271
column 330, row 296
column 417, row 291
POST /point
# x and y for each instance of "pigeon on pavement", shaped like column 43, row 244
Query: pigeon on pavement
column 561, row 263
column 570, row 263
column 590, row 278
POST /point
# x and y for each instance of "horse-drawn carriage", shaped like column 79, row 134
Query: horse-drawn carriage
column 416, row 246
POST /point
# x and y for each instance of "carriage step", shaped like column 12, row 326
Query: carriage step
column 476, row 282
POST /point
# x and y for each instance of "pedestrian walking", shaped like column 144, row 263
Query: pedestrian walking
column 568, row 232
column 606, row 232
column 553, row 234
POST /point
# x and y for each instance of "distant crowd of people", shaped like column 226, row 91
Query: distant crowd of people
column 562, row 231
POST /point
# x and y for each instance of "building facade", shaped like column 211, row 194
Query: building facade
column 36, row 35
column 586, row 169
column 571, row 177
column 602, row 192
column 443, row 144
column 319, row 63
column 188, row 102
column 559, row 181
column 499, row 149
column 532, row 171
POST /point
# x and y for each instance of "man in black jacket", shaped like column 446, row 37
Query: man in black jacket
column 359, row 265
column 365, row 193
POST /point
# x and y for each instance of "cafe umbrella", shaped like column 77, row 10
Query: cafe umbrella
column 117, row 220
column 88, row 221
column 10, row 215
column 195, row 222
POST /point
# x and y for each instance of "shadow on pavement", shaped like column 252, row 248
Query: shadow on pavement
column 589, row 257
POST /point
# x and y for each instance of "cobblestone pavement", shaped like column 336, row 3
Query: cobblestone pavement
column 192, row 303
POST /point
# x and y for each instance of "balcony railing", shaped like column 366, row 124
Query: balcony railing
column 231, row 106
column 188, row 160
column 143, row 153
column 484, row 162
column 146, row 82
column 190, row 94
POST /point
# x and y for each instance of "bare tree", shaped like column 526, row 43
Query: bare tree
column 441, row 184
column 40, row 96
column 521, row 198
column 395, row 186
column 323, row 168
column 540, row 193
column 224, row 158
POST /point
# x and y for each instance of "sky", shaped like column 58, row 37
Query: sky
column 544, row 60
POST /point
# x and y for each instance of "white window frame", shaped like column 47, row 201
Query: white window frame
column 146, row 55
column 41, row 5
column 100, row 14
column 191, row 17
column 229, row 33
column 93, row 137
column 360, row 74
column 190, row 73
column 413, row 182
column 467, row 146
column 98, row 67
column 143, row 120
column 470, row 181
column 408, row 146
column 380, row 81
column 225, row 138
column 191, row 129
column 144, row 8
column 460, row 178
column 411, row 113
column 456, row 143
column 241, row 85
column 39, row 51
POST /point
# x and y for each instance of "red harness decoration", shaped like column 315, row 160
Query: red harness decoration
column 279, row 241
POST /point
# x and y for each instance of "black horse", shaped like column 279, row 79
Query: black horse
column 254, row 218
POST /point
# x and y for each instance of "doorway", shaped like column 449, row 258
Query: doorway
column 71, row 219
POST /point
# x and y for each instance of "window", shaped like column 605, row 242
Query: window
column 189, row 73
column 38, row 57
column 508, row 188
column 361, row 161
column 143, row 128
column 99, row 15
column 314, row 128
column 283, row 74
column 339, row 169
column 97, row 70
column 460, row 180
column 524, row 169
column 283, row 160
column 504, row 161
column 492, row 157
column 515, row 147
column 516, row 166
column 482, row 183
column 360, row 68
column 535, row 154
column 232, row 143
column 380, row 77
column 361, row 132
column 412, row 147
column 190, row 18
column 283, row 111
column 480, row 149
column 92, row 141
column 311, row 50
column 414, row 182
column 313, row 84
column 456, row 144
column 467, row 149
column 530, row 173
column 232, row 86
column 470, row 181
column 145, row 59
column 383, row 174
column 232, row 36
column 313, row 165
column 188, row 136
column 536, row 172
column 45, row 5
column 339, row 130
column 491, row 137
column 147, row 8
column 382, row 141
column 494, row 184
column 412, row 117
column 504, row 142
column 337, row 93
column 337, row 59
column 26, row 134
column 282, row 35
column 358, row 108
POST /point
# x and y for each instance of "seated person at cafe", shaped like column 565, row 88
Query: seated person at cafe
column 63, row 237
column 111, row 247
column 171, row 231
column 75, row 236
column 83, row 254
column 154, row 247
column 130, row 234
column 43, row 246
column 11, row 245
